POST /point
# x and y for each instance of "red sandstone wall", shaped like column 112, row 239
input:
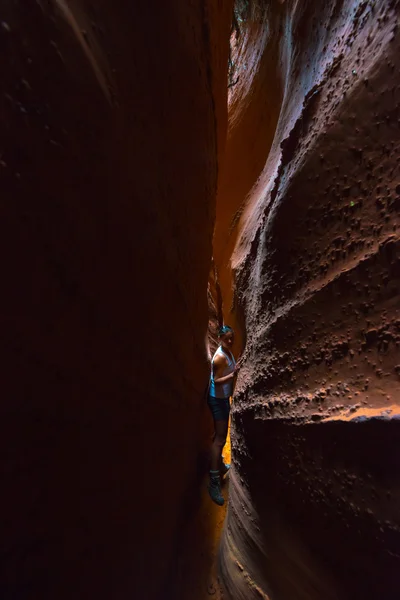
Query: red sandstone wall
column 254, row 104
column 111, row 115
column 215, row 311
column 314, row 510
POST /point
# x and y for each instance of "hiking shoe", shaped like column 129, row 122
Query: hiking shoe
column 214, row 489
column 224, row 469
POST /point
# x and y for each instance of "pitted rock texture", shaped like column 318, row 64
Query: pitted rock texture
column 318, row 516
column 316, row 264
column 111, row 116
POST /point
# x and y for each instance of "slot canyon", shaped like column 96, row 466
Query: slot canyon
column 166, row 167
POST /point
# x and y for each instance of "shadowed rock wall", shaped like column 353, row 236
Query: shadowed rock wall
column 253, row 104
column 112, row 117
column 314, row 496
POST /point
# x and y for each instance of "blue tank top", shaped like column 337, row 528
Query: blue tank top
column 222, row 390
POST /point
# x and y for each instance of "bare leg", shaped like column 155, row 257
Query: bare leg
column 221, row 431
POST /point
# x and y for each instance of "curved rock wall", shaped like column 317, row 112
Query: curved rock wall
column 314, row 501
column 112, row 117
column 253, row 105
column 215, row 316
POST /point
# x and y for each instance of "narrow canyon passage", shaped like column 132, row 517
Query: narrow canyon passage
column 142, row 147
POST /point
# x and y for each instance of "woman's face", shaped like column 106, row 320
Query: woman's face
column 227, row 340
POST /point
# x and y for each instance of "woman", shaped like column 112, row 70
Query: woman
column 223, row 373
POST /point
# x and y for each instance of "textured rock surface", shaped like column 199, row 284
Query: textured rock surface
column 215, row 316
column 108, row 177
column 314, row 509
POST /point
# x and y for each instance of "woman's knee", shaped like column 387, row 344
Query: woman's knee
column 221, row 427
column 220, row 440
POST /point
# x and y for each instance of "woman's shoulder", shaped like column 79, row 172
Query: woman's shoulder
column 219, row 359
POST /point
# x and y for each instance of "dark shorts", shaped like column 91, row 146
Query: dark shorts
column 220, row 408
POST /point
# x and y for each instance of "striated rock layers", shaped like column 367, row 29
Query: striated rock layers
column 112, row 117
column 314, row 511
